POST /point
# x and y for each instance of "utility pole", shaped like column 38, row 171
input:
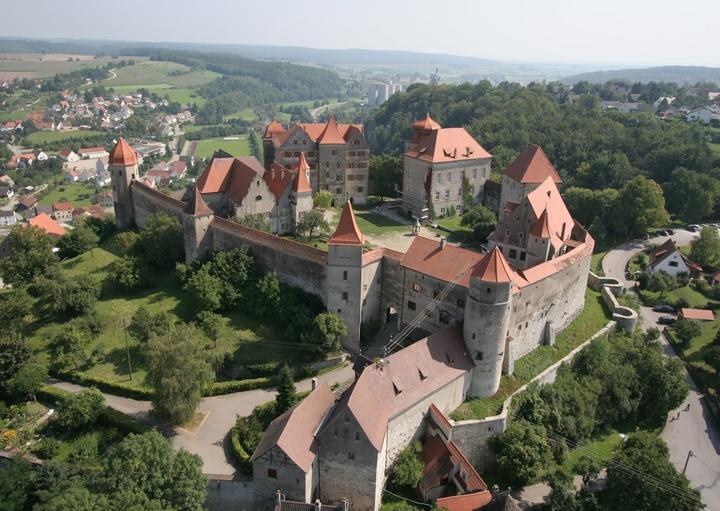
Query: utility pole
column 127, row 349
column 690, row 455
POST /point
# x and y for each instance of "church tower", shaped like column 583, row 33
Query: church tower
column 196, row 218
column 302, row 200
column 344, row 276
column 487, row 316
column 123, row 167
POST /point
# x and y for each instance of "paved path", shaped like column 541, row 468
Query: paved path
column 210, row 441
column 692, row 430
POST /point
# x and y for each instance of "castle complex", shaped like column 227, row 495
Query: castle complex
column 480, row 312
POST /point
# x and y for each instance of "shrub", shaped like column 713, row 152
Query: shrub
column 84, row 448
column 46, row 448
column 227, row 387
column 81, row 410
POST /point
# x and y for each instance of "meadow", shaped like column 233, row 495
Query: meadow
column 236, row 145
column 43, row 137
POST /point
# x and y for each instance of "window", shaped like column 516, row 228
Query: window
column 479, row 355
column 345, row 275
column 512, row 254
column 119, row 172
column 457, row 207
column 411, row 305
column 334, row 152
column 335, row 432
column 444, row 317
column 338, row 190
column 674, row 264
column 259, row 197
column 357, row 435
column 447, row 194
column 460, row 303
column 272, row 473
column 360, row 189
column 523, row 256
column 416, row 287
column 351, row 455
column 339, row 311
column 449, row 177
column 437, row 195
column 442, row 211
column 345, row 296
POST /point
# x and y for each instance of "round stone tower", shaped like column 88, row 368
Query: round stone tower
column 123, row 166
column 487, row 315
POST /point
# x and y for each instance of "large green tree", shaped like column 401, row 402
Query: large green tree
column 15, row 306
column 642, row 204
column 646, row 486
column 287, row 395
column 78, row 241
column 160, row 242
column 178, row 371
column 328, row 331
column 691, row 196
column 522, row 452
column 81, row 410
column 385, row 175
column 705, row 250
column 311, row 222
column 481, row 220
column 28, row 253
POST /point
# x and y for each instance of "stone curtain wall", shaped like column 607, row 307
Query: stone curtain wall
column 147, row 201
column 295, row 264
column 611, row 288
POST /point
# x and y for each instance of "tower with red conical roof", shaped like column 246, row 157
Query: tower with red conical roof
column 123, row 167
column 344, row 278
column 301, row 196
column 487, row 316
column 196, row 218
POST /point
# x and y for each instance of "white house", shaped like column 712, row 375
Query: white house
column 7, row 217
column 93, row 152
column 703, row 115
column 669, row 259
column 68, row 155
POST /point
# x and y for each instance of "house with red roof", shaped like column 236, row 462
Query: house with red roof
column 441, row 166
column 336, row 153
column 47, row 224
column 87, row 153
column 237, row 187
column 68, row 155
column 669, row 259
column 63, row 211
column 523, row 175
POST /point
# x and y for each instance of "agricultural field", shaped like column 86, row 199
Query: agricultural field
column 246, row 114
column 35, row 65
column 153, row 72
column 80, row 194
column 236, row 145
column 184, row 95
column 44, row 137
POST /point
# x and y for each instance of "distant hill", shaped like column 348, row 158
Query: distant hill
column 677, row 74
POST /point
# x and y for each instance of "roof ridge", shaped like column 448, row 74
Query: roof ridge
column 331, row 133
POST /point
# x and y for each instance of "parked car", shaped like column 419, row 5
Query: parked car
column 664, row 308
column 645, row 237
column 666, row 320
column 693, row 227
column 670, row 232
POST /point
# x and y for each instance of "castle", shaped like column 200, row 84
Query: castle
column 481, row 312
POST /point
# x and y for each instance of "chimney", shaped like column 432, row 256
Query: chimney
column 345, row 504
column 278, row 496
column 313, row 384
column 442, row 243
column 318, row 505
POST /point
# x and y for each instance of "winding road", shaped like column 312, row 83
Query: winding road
column 686, row 429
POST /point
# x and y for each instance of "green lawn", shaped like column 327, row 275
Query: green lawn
column 43, row 137
column 600, row 448
column 715, row 148
column 241, row 336
column 246, row 114
column 693, row 298
column 596, row 264
column 593, row 317
column 80, row 194
column 237, row 145
column 151, row 72
column 186, row 95
column 697, row 352
column 30, row 65
column 370, row 222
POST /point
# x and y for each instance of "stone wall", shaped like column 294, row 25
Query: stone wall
column 421, row 289
column 288, row 476
column 392, row 282
column 147, row 201
column 295, row 264
column 610, row 289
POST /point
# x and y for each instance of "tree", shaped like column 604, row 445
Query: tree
column 705, row 250
column 638, row 489
column 259, row 222
column 144, row 325
column 409, row 467
column 17, row 480
column 210, row 323
column 28, row 254
column 713, row 358
column 481, row 220
column 27, row 381
column 588, row 468
column 235, row 269
column 286, row 396
column 328, row 331
column 147, row 471
column 522, row 452
column 160, row 243
column 15, row 305
column 643, row 205
column 78, row 241
column 205, row 290
column 385, row 175
column 267, row 295
column 686, row 330
column 311, row 221
column 178, row 371
column 69, row 345
column 691, row 195
column 70, row 494
column 72, row 297
column 81, row 410
column 14, row 354
column 661, row 282
column 322, row 199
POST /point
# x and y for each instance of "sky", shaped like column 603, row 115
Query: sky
column 607, row 32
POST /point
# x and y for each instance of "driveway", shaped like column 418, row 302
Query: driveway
column 687, row 428
column 210, row 441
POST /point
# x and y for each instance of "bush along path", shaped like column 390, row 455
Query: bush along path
column 210, row 440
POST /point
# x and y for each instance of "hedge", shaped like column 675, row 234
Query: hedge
column 108, row 417
column 104, row 385
column 226, row 387
column 241, row 457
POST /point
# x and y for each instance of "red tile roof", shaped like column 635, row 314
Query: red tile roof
column 425, row 256
column 347, row 232
column 62, row 206
column 294, row 431
column 230, row 175
column 273, row 129
column 546, row 197
column 302, row 183
column 467, row 502
column 384, row 390
column 29, row 201
column 47, row 224
column 84, row 150
column 493, row 268
column 446, row 145
column 533, row 166
column 277, row 179
column 331, row 134
column 541, row 229
column 314, row 130
column 426, row 124
column 123, row 154
column 698, row 314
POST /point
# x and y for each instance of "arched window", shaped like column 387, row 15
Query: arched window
column 259, row 197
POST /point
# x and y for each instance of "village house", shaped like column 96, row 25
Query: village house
column 25, row 203
column 7, row 217
column 47, row 224
column 669, row 259
column 22, row 160
column 104, row 199
column 441, row 167
column 62, row 211
column 6, row 192
column 68, row 155
column 92, row 153
column 704, row 115
column 7, row 181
